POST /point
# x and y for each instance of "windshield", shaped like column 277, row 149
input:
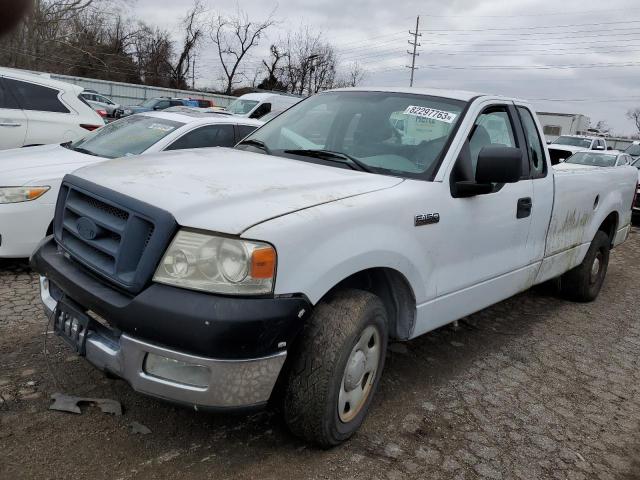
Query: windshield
column 149, row 103
column 242, row 107
column 633, row 150
column 396, row 133
column 636, row 164
column 593, row 159
column 573, row 141
column 128, row 136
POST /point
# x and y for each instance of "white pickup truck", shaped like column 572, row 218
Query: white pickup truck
column 223, row 278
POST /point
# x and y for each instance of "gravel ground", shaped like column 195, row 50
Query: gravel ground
column 531, row 388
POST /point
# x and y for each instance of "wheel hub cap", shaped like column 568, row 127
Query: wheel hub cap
column 355, row 370
column 359, row 374
column 595, row 269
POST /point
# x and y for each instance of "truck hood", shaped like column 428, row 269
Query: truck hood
column 21, row 165
column 227, row 190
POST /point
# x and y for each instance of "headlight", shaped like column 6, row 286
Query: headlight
column 218, row 264
column 128, row 112
column 21, row 194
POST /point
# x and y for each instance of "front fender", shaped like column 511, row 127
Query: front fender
column 321, row 246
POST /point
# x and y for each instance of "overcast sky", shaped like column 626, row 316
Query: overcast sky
column 583, row 55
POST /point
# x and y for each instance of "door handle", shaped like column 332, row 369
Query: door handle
column 10, row 124
column 524, row 207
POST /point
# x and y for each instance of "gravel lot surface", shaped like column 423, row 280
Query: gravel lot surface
column 532, row 388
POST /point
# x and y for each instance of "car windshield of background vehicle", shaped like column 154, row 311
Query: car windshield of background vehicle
column 128, row 136
column 242, row 107
column 573, row 141
column 633, row 150
column 593, row 159
column 149, row 103
column 390, row 133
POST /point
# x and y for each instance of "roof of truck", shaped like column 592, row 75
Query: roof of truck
column 463, row 95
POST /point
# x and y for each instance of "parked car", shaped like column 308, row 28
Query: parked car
column 256, row 105
column 202, row 103
column 566, row 145
column 611, row 158
column 30, row 177
column 154, row 104
column 35, row 110
column 316, row 245
column 100, row 102
column 633, row 149
column 636, row 202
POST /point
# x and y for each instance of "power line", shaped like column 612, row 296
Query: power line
column 415, row 44
column 564, row 13
column 538, row 27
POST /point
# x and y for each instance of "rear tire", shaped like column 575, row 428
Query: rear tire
column 337, row 362
column 583, row 283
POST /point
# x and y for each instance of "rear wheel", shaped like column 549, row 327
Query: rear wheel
column 583, row 283
column 335, row 368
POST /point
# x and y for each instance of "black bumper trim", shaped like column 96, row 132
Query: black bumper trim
column 194, row 322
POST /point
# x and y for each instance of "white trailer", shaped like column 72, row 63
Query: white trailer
column 556, row 124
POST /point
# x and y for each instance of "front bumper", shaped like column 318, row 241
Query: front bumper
column 240, row 341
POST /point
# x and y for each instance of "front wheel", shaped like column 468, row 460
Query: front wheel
column 583, row 283
column 335, row 367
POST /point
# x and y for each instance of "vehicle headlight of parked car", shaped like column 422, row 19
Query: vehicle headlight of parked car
column 218, row 264
column 21, row 194
column 127, row 111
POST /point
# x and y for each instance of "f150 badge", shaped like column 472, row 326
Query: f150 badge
column 426, row 219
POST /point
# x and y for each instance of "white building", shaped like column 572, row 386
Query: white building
column 556, row 124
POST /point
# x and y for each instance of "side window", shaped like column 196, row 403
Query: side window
column 261, row 111
column 492, row 127
column 534, row 144
column 161, row 105
column 175, row 103
column 209, row 136
column 7, row 100
column 36, row 97
column 244, row 130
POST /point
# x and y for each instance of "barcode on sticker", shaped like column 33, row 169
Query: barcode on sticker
column 432, row 113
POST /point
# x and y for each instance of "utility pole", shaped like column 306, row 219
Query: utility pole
column 415, row 44
column 311, row 69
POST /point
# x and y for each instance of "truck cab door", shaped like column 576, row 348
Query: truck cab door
column 486, row 233
column 13, row 121
column 542, row 179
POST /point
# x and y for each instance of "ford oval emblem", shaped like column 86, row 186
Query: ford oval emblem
column 87, row 228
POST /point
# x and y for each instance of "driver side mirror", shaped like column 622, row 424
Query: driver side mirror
column 496, row 164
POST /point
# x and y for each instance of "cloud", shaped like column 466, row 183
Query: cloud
column 520, row 48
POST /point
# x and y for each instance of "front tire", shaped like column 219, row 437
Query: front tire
column 583, row 283
column 336, row 366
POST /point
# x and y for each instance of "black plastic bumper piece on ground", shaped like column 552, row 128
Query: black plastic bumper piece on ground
column 194, row 322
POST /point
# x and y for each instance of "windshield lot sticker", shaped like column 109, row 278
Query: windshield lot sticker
column 162, row 128
column 431, row 113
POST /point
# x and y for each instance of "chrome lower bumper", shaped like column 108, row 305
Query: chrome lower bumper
column 231, row 383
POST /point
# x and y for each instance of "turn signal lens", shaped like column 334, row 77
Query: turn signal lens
column 21, row 194
column 263, row 262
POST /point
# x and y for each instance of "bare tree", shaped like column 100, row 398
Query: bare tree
column 273, row 80
column 233, row 38
column 354, row 75
column 193, row 32
column 634, row 114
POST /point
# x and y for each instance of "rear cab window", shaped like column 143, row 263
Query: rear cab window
column 535, row 147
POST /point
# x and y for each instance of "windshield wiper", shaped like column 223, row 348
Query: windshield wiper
column 334, row 156
column 84, row 150
column 256, row 143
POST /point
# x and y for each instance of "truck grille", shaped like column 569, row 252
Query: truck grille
column 118, row 237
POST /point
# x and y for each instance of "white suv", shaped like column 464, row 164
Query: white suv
column 36, row 110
